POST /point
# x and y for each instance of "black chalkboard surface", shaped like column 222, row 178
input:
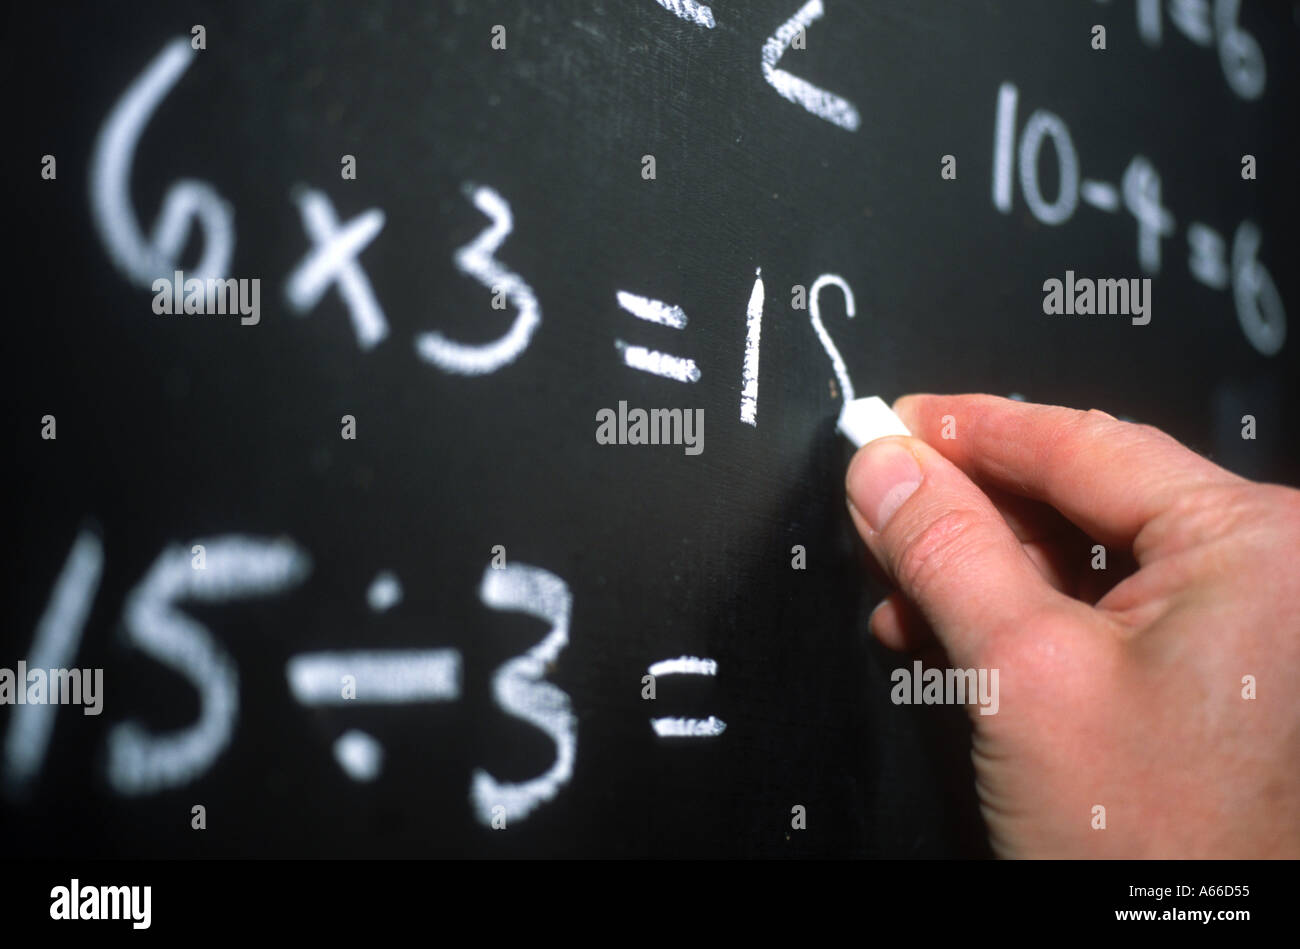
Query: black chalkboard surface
column 481, row 231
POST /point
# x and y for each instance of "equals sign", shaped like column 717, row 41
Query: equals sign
column 650, row 360
column 686, row 727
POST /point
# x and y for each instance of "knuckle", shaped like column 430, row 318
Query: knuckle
column 1236, row 517
column 1149, row 435
column 1093, row 421
column 1273, row 507
column 1286, row 500
column 1076, row 431
column 1095, row 417
column 1193, row 517
column 1215, row 510
column 937, row 549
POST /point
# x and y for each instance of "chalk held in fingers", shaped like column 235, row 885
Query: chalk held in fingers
column 865, row 420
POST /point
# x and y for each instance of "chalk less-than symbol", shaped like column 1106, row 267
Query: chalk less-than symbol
column 686, row 727
column 698, row 13
column 821, row 103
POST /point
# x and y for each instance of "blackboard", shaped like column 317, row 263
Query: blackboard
column 504, row 146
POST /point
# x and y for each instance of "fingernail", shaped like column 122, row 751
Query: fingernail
column 882, row 476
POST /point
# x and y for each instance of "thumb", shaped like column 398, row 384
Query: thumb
column 944, row 543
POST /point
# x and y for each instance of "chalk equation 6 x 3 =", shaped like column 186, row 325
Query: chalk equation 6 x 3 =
column 334, row 258
column 332, row 261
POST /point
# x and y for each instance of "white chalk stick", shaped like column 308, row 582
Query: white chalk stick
column 864, row 420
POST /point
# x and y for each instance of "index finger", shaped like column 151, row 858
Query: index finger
column 1108, row 477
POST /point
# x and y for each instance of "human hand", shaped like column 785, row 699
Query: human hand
column 1123, row 688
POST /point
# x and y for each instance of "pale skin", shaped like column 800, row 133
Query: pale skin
column 1120, row 688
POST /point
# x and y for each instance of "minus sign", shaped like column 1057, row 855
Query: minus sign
column 688, row 727
column 1100, row 195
